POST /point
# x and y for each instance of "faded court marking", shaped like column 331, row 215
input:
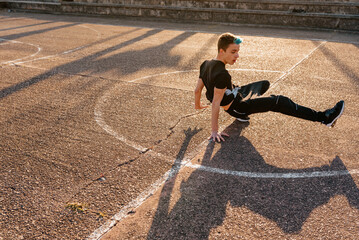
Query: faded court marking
column 23, row 58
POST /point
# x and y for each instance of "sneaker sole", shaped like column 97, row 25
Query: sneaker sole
column 332, row 124
column 243, row 120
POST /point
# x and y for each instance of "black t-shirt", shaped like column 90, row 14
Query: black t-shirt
column 214, row 74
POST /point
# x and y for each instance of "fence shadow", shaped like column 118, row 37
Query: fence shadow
column 205, row 195
column 125, row 63
column 348, row 70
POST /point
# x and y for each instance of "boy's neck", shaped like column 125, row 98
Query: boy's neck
column 218, row 58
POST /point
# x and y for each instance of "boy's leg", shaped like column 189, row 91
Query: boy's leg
column 247, row 91
column 242, row 117
column 255, row 88
column 279, row 104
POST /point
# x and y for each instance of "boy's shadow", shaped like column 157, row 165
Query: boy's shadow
column 205, row 195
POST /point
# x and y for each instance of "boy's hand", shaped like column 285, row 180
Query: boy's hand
column 215, row 136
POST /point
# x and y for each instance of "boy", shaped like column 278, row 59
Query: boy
column 237, row 101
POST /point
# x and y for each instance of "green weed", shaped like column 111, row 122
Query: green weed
column 82, row 208
column 77, row 207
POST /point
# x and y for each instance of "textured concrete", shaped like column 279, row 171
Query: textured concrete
column 99, row 112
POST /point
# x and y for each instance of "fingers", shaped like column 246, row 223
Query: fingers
column 224, row 134
column 213, row 138
column 217, row 137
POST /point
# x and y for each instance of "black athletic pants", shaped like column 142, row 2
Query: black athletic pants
column 243, row 104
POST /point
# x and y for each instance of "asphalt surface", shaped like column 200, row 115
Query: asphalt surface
column 100, row 138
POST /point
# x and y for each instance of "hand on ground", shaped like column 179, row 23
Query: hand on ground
column 216, row 136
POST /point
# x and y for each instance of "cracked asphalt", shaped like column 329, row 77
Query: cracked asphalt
column 97, row 114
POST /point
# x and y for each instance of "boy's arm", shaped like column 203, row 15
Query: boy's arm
column 197, row 95
column 217, row 98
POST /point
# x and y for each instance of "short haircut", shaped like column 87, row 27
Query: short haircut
column 224, row 40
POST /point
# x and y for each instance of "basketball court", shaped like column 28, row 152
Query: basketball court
column 98, row 113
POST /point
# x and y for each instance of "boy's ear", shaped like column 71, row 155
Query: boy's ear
column 221, row 50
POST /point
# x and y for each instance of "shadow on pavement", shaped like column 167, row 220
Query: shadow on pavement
column 26, row 26
column 340, row 65
column 125, row 63
column 205, row 195
column 30, row 33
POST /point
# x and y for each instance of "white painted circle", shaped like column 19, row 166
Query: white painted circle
column 5, row 42
column 27, row 60
column 98, row 115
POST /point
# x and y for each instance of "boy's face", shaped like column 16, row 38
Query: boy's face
column 231, row 54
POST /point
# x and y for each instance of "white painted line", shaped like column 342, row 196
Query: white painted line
column 33, row 67
column 18, row 62
column 102, row 123
column 282, row 175
column 99, row 120
column 161, row 74
column 255, row 70
column 98, row 233
column 19, row 59
column 123, row 213
column 51, row 56
column 286, row 73
column 187, row 71
column 292, row 175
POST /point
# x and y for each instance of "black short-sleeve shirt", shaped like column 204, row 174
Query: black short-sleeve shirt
column 214, row 74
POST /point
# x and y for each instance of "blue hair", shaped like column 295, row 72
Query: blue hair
column 238, row 40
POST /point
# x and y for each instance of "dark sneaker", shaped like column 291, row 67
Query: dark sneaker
column 332, row 115
column 242, row 117
column 245, row 118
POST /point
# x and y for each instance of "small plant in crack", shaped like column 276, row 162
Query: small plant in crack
column 77, row 207
column 82, row 208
